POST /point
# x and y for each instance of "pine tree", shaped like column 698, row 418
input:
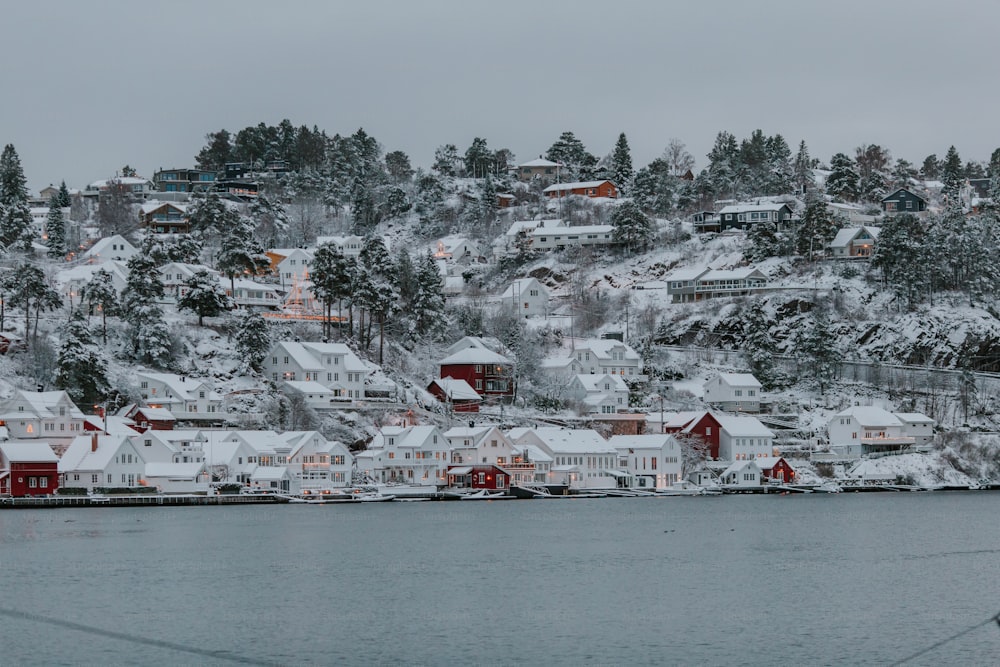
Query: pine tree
column 55, row 229
column 207, row 215
column 781, row 176
column 816, row 229
column 478, row 159
column 15, row 214
column 331, row 279
column 82, row 370
column 931, row 167
column 64, row 200
column 253, row 340
column 764, row 242
column 952, row 175
column 428, row 301
column 903, row 257
column 446, row 160
column 622, row 172
column 240, row 252
column 397, row 163
column 100, row 293
column 758, row 346
column 818, row 345
column 216, row 153
column 376, row 291
column 30, row 289
column 148, row 340
column 204, row 296
column 570, row 152
column 632, row 228
column 843, row 179
column 723, row 166
column 802, row 171
column 270, row 218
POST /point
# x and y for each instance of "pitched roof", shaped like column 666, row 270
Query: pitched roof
column 595, row 382
column 78, row 456
column 474, row 355
column 739, row 379
column 457, row 389
column 869, row 415
column 848, row 234
column 742, row 426
column 573, row 441
column 540, row 162
column 28, row 452
column 560, row 187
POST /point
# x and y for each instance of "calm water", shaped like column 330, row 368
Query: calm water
column 854, row 579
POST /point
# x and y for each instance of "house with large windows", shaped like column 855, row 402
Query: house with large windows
column 489, row 373
column 187, row 398
column 184, row 180
column 333, row 365
column 42, row 415
column 903, row 201
column 164, row 217
column 745, row 216
column 406, row 454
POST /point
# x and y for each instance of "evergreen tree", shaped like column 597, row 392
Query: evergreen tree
column 100, row 293
column 478, row 159
column 253, row 340
column 376, row 289
column 622, row 172
column 446, row 160
column 780, row 177
column 802, row 171
column 754, row 164
column 331, row 278
column 428, row 305
column 902, row 172
column 723, row 179
column 208, row 215
column 397, row 163
column 818, row 346
column 270, row 218
column 842, row 182
column 204, row 296
column 82, row 369
column 817, row 228
column 114, row 209
column 148, row 340
column 758, row 346
column 240, row 252
column 653, row 188
column 31, row 290
column 632, row 228
column 931, row 168
column 578, row 163
column 63, row 198
column 764, row 242
column 15, row 214
column 55, row 229
column 952, row 175
column 903, row 258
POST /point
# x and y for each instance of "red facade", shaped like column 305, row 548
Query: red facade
column 457, row 404
column 780, row 471
column 30, row 478
column 479, row 477
column 602, row 189
column 487, row 379
column 705, row 427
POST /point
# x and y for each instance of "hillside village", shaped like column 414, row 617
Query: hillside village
column 330, row 318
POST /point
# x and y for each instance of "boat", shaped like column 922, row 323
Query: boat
column 485, row 494
column 828, row 487
column 373, row 498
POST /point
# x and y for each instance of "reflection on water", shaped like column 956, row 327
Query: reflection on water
column 859, row 579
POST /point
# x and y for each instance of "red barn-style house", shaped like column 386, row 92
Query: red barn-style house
column 478, row 477
column 590, row 189
column 776, row 469
column 489, row 374
column 28, row 469
column 456, row 393
column 702, row 425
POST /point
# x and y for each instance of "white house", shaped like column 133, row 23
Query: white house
column 743, row 474
column 350, row 245
column 607, row 355
column 543, row 238
column 174, row 276
column 853, row 242
column 865, row 429
column 484, row 444
column 174, row 446
column 109, row 248
column 516, row 237
column 98, row 460
column 918, row 426
column 581, row 458
column 71, row 282
column 742, row 437
column 316, row 463
column 294, row 265
column 407, row 454
column 315, row 395
column 529, row 465
column 47, row 415
column 456, row 249
column 735, row 392
column 526, row 297
column 189, row 477
column 333, row 365
column 248, row 293
column 599, row 394
column 187, row 398
column 653, row 461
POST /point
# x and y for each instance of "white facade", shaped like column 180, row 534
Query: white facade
column 316, row 463
column 526, row 297
column 741, row 474
column 581, row 458
column 564, row 237
column 332, row 365
column 186, row 397
column 408, row 454
column 861, row 429
column 98, row 460
column 479, row 445
column 115, row 248
column 599, row 394
column 315, row 395
column 295, row 265
column 48, row 415
column 599, row 355
column 743, row 438
column 736, row 392
column 653, row 461
column 174, row 276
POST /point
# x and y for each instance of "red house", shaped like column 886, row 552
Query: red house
column 488, row 373
column 584, row 189
column 702, row 425
column 776, row 468
column 478, row 477
column 151, row 419
column 28, row 469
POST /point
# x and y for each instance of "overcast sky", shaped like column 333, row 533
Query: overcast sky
column 90, row 86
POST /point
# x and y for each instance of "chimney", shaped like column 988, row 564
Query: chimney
column 93, row 441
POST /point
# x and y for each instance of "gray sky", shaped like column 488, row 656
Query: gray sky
column 91, row 86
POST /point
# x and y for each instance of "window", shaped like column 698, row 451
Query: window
column 32, row 482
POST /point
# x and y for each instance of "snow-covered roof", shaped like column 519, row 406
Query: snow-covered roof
column 748, row 208
column 120, row 180
column 43, row 403
column 732, row 274
column 691, row 273
column 474, row 355
column 19, row 452
column 156, row 414
column 154, row 204
column 540, row 162
column 575, row 229
column 870, row 415
column 78, row 456
column 737, row 466
column 457, row 389
column 848, row 234
column 573, row 441
column 521, row 286
column 308, row 387
column 913, row 418
column 768, row 462
column 742, row 426
column 534, row 453
column 269, row 473
column 560, row 187
column 593, row 382
column 103, row 245
column 602, row 348
column 183, row 387
column 739, row 379
column 645, row 441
